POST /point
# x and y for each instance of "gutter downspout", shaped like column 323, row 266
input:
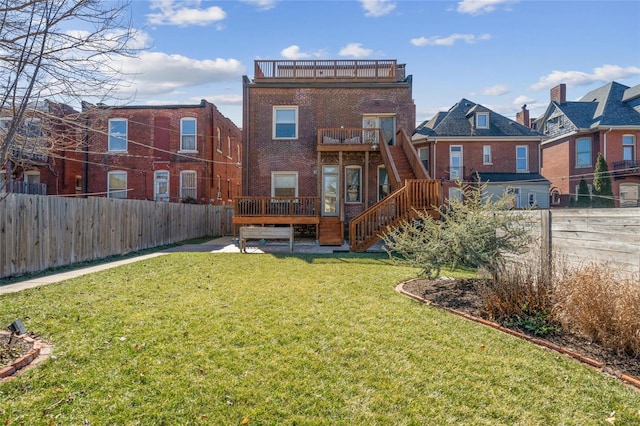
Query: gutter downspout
column 604, row 144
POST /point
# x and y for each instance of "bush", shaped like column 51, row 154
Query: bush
column 593, row 303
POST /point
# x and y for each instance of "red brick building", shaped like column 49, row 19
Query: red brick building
column 470, row 142
column 327, row 131
column 188, row 153
column 605, row 120
column 46, row 155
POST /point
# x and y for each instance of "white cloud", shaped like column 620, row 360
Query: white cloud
column 262, row 4
column 522, row 99
column 224, row 99
column 604, row 73
column 497, row 90
column 180, row 14
column 156, row 73
column 450, row 40
column 477, row 7
column 355, row 50
column 376, row 8
column 293, row 52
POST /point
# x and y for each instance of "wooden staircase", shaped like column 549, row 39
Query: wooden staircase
column 331, row 231
column 416, row 195
column 415, row 191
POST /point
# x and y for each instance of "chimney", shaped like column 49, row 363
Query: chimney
column 559, row 94
column 522, row 116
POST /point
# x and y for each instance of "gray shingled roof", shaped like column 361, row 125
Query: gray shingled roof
column 530, row 178
column 460, row 121
column 605, row 106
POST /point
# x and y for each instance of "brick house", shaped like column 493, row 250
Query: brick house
column 189, row 153
column 471, row 142
column 605, row 120
column 325, row 141
column 46, row 154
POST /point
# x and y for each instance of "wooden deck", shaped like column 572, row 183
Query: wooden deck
column 276, row 211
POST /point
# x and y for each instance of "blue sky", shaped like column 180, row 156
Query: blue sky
column 499, row 53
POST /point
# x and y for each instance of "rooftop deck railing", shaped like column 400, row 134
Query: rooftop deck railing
column 381, row 70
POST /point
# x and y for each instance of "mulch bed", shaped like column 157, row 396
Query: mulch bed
column 461, row 295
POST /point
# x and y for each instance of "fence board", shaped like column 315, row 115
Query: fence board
column 40, row 232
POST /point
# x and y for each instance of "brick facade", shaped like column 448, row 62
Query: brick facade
column 154, row 145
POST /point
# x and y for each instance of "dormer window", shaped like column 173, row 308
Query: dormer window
column 482, row 120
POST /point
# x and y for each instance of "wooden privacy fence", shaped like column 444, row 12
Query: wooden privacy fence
column 583, row 236
column 41, row 232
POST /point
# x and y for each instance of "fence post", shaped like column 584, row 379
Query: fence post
column 546, row 248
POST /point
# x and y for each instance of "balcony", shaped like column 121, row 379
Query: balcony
column 28, row 156
column 335, row 70
column 20, row 187
column 349, row 139
column 625, row 168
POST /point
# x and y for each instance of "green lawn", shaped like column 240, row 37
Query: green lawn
column 222, row 339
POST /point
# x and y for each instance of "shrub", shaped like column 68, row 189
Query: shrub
column 592, row 302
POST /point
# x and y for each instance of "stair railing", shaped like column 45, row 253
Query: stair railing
column 417, row 195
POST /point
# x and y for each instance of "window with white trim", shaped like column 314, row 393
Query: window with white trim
column 482, row 120
column 218, row 140
column 285, row 122
column 188, row 184
column 284, row 184
column 229, row 146
column 118, row 129
column 532, row 200
column 188, row 134
column 583, row 152
column 161, row 185
column 522, row 159
column 628, row 147
column 486, row 154
column 514, row 193
column 629, row 195
column 353, row 184
column 117, row 184
column 577, row 191
column 423, row 153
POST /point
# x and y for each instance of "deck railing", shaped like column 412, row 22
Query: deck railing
column 276, row 206
column 376, row 70
column 350, row 136
column 415, row 195
column 626, row 167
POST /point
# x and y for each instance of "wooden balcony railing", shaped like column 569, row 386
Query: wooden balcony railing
column 276, row 206
column 349, row 136
column 352, row 70
column 415, row 195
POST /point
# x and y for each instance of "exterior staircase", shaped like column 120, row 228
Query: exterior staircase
column 414, row 191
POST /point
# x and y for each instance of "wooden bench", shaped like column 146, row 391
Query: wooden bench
column 265, row 233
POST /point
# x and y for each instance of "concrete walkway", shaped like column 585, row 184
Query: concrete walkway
column 218, row 245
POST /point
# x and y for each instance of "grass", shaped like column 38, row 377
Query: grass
column 199, row 338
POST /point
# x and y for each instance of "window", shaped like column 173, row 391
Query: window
column 118, row 134
column 629, row 195
column 32, row 177
column 455, row 193
column 583, row 152
column 455, row 162
column 238, row 151
column 383, row 183
column 188, row 187
column 188, row 134
column 628, row 147
column 532, row 200
column 229, row 146
column 353, row 184
column 218, row 140
column 578, row 190
column 555, row 196
column 482, row 120
column 486, row 154
column 117, row 184
column 522, row 159
column 228, row 189
column 285, row 122
column 161, row 185
column 284, row 184
column 515, row 194
column 423, row 153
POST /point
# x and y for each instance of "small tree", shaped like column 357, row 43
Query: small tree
column 602, row 191
column 584, row 196
column 476, row 231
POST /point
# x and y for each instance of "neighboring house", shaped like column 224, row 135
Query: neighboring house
column 188, row 153
column 471, row 142
column 605, row 120
column 45, row 157
column 326, row 141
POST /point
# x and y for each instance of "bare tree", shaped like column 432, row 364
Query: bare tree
column 61, row 51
